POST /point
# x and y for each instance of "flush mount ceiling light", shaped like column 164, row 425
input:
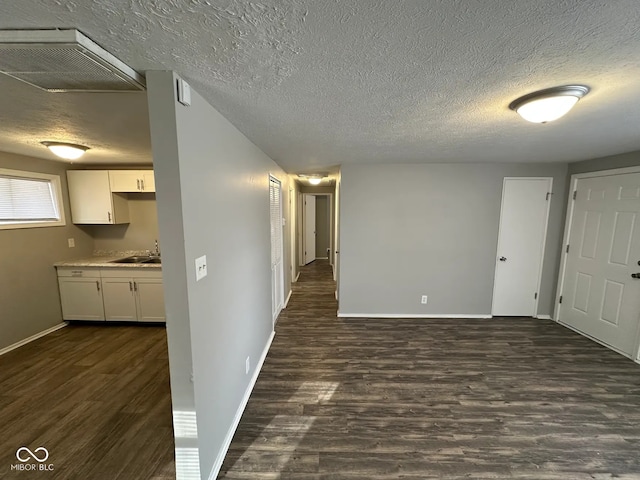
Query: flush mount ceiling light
column 68, row 151
column 313, row 179
column 550, row 104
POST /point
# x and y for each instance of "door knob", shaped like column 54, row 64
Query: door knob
column 635, row 275
column 503, row 259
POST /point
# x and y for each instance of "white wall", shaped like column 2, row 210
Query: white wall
column 213, row 199
column 412, row 230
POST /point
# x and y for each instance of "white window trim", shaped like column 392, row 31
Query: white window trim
column 57, row 188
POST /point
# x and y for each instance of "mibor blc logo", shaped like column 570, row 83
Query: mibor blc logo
column 32, row 460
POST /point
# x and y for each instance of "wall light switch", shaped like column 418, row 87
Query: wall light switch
column 201, row 267
column 71, row 242
column 184, row 93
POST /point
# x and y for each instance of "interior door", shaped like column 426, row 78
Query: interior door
column 277, row 266
column 599, row 295
column 523, row 226
column 309, row 228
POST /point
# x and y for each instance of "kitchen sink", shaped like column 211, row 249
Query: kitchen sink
column 138, row 259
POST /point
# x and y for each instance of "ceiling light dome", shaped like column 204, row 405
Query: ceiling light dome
column 550, row 104
column 68, row 151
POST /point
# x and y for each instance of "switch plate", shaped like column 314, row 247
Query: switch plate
column 184, row 93
column 424, row 299
column 71, row 242
column 201, row 267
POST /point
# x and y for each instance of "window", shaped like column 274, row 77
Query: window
column 29, row 199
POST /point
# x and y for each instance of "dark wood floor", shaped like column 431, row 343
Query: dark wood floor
column 96, row 397
column 434, row 399
column 338, row 399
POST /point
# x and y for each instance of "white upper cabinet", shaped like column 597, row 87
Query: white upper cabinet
column 92, row 200
column 132, row 181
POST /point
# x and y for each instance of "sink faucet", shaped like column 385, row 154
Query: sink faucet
column 156, row 252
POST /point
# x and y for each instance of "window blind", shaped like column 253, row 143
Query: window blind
column 27, row 200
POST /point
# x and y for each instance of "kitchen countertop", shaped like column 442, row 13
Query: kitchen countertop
column 105, row 262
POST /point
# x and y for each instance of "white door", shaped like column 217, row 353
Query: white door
column 277, row 267
column 599, row 295
column 309, row 228
column 521, row 239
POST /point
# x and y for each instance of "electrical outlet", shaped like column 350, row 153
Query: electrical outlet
column 424, row 299
column 71, row 242
column 201, row 267
column 247, row 365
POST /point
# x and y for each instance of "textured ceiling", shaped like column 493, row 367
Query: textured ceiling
column 321, row 83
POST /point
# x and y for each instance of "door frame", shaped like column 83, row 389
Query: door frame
column 573, row 186
column 543, row 246
column 280, row 273
column 331, row 225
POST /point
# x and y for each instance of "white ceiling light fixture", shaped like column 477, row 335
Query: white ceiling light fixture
column 550, row 104
column 68, row 151
column 313, row 179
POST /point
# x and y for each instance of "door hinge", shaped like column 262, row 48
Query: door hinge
column 549, row 195
column 535, row 296
column 567, row 250
column 560, row 300
column 575, row 194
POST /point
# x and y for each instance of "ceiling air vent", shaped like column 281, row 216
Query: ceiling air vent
column 64, row 61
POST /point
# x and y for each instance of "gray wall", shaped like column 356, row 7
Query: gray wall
column 409, row 230
column 139, row 234
column 323, row 226
column 213, row 199
column 631, row 159
column 29, row 296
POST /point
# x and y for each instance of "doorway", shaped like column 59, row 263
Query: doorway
column 318, row 227
column 521, row 240
column 599, row 287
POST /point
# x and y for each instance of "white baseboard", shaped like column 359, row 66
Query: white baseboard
column 286, row 302
column 297, row 277
column 395, row 315
column 33, row 337
column 322, row 258
column 243, row 404
column 544, row 317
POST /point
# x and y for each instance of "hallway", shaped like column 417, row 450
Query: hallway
column 416, row 398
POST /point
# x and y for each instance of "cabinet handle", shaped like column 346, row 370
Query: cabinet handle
column 138, row 180
column 98, row 284
column 135, row 286
column 142, row 184
column 109, row 216
column 131, row 286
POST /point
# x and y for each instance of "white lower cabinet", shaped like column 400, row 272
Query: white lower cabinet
column 132, row 295
column 112, row 294
column 81, row 294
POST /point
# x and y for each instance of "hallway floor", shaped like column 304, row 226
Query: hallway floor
column 433, row 399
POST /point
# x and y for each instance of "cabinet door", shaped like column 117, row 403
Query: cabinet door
column 81, row 298
column 148, row 181
column 150, row 299
column 125, row 180
column 90, row 196
column 119, row 299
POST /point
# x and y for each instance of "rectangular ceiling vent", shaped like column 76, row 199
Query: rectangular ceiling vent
column 64, row 61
